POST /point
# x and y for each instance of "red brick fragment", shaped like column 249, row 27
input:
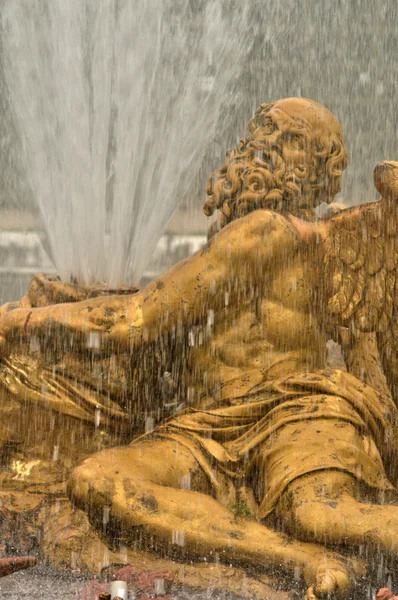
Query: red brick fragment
column 141, row 581
column 129, row 574
column 167, row 597
column 385, row 594
column 15, row 563
column 144, row 581
column 93, row 590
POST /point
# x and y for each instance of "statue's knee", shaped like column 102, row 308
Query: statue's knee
column 88, row 480
column 299, row 507
column 310, row 519
column 78, row 484
column 106, row 477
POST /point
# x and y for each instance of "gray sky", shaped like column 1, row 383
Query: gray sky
column 341, row 53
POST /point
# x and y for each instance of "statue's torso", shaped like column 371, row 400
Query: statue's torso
column 271, row 335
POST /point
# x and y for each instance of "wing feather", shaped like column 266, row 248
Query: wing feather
column 361, row 264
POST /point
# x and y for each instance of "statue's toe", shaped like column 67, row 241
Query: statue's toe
column 332, row 581
column 102, row 486
column 310, row 594
column 333, row 577
column 327, row 586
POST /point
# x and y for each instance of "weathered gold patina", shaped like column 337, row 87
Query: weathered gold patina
column 262, row 455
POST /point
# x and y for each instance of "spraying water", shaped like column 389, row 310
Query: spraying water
column 116, row 102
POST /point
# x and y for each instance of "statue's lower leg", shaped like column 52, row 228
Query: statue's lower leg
column 140, row 487
column 324, row 507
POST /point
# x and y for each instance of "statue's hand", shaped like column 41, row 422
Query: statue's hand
column 93, row 325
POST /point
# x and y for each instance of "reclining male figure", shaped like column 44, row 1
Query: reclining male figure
column 270, row 435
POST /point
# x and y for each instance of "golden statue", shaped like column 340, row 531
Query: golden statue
column 254, row 450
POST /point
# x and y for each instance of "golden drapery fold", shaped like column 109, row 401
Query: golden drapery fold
column 286, row 428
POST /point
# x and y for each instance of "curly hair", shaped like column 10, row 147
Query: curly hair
column 253, row 176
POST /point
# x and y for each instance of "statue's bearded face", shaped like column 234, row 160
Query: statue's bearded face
column 291, row 162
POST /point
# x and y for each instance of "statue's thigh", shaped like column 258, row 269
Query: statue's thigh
column 305, row 449
column 171, row 464
column 158, row 461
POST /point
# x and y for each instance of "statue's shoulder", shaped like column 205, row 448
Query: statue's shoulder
column 259, row 235
column 263, row 221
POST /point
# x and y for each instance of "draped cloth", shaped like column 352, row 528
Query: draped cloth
column 62, row 411
column 67, row 390
column 288, row 427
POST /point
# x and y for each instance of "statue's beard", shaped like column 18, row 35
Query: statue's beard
column 256, row 177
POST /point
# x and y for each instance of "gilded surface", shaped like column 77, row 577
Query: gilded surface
column 243, row 443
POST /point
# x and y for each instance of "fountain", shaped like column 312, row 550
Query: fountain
column 249, row 428
column 196, row 418
column 113, row 127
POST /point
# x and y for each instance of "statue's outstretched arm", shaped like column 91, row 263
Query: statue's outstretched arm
column 228, row 270
column 233, row 264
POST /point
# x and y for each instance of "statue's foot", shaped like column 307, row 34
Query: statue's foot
column 333, row 579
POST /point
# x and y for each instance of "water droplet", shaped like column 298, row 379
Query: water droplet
column 190, row 395
column 159, row 587
column 186, row 482
column 55, row 453
column 97, row 417
column 364, row 77
column 149, row 424
column 105, row 516
column 210, row 320
column 178, row 537
column 379, row 88
column 34, row 344
column 93, row 340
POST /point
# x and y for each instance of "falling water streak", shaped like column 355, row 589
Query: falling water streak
column 237, row 46
column 61, row 97
column 177, row 123
column 109, row 90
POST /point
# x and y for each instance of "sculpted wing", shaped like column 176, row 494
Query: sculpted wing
column 361, row 267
